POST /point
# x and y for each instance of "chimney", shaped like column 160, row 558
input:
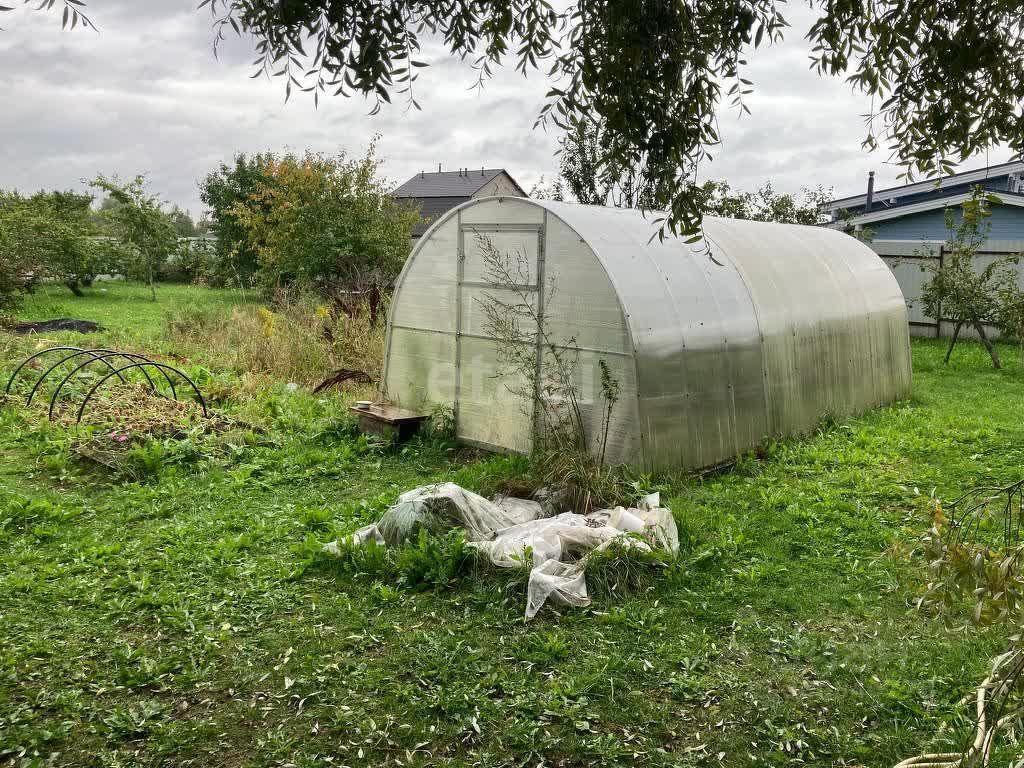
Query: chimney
column 438, row 167
column 481, row 170
column 871, row 192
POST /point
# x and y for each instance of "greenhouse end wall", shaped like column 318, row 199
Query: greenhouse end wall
column 760, row 330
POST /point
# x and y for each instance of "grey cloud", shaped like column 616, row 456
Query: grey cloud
column 147, row 95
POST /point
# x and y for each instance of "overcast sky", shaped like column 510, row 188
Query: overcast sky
column 147, row 95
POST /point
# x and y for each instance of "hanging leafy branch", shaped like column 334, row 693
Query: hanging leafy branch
column 649, row 76
column 946, row 78
column 71, row 17
column 974, row 550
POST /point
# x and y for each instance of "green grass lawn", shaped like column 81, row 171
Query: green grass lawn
column 179, row 620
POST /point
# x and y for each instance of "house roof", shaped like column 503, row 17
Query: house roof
column 449, row 183
column 930, row 185
column 884, row 214
column 431, row 208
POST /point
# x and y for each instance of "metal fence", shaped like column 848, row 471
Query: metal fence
column 912, row 262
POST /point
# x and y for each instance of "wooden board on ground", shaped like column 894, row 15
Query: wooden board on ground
column 389, row 420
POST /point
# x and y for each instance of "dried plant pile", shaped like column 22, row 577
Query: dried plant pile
column 127, row 415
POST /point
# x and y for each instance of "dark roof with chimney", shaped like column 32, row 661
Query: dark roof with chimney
column 1005, row 177
column 438, row 192
column 461, row 183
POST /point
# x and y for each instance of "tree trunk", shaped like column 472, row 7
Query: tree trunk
column 988, row 345
column 952, row 341
column 152, row 285
column 73, row 287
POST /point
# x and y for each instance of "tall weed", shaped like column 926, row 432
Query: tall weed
column 297, row 338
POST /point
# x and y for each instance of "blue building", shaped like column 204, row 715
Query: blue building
column 908, row 229
column 917, row 211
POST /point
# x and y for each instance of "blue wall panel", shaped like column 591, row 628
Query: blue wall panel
column 1007, row 224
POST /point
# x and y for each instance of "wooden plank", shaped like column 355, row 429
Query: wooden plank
column 390, row 414
column 390, row 421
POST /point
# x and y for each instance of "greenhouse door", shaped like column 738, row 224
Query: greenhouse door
column 501, row 266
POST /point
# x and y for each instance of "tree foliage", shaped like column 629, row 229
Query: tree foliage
column 53, row 235
column 718, row 199
column 591, row 181
column 73, row 11
column 224, row 189
column 946, row 79
column 581, row 178
column 182, row 222
column 958, row 290
column 324, row 221
column 15, row 269
column 138, row 220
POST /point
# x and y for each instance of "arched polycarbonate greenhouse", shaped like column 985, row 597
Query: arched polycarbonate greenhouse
column 758, row 330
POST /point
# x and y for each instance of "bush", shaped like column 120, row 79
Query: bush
column 322, row 222
column 193, row 261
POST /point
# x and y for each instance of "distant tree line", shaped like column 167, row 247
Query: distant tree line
column 322, row 223
column 60, row 237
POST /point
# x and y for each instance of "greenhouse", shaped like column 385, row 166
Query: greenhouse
column 755, row 331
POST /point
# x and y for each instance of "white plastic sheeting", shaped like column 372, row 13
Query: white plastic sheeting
column 511, row 533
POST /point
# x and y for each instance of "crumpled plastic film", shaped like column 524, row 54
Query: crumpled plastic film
column 440, row 508
column 512, row 533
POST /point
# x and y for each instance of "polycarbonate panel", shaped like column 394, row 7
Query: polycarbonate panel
column 824, row 303
column 579, row 301
column 477, row 300
column 811, row 315
column 501, row 210
column 420, row 369
column 700, row 380
column 516, row 253
column 493, row 406
column 425, row 293
column 623, row 439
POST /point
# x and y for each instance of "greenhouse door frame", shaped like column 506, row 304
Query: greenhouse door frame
column 463, row 286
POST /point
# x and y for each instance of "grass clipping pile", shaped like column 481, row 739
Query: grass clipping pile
column 128, row 416
column 515, row 533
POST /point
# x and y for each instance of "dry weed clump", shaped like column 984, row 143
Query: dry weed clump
column 129, row 416
column 132, row 408
column 296, row 339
